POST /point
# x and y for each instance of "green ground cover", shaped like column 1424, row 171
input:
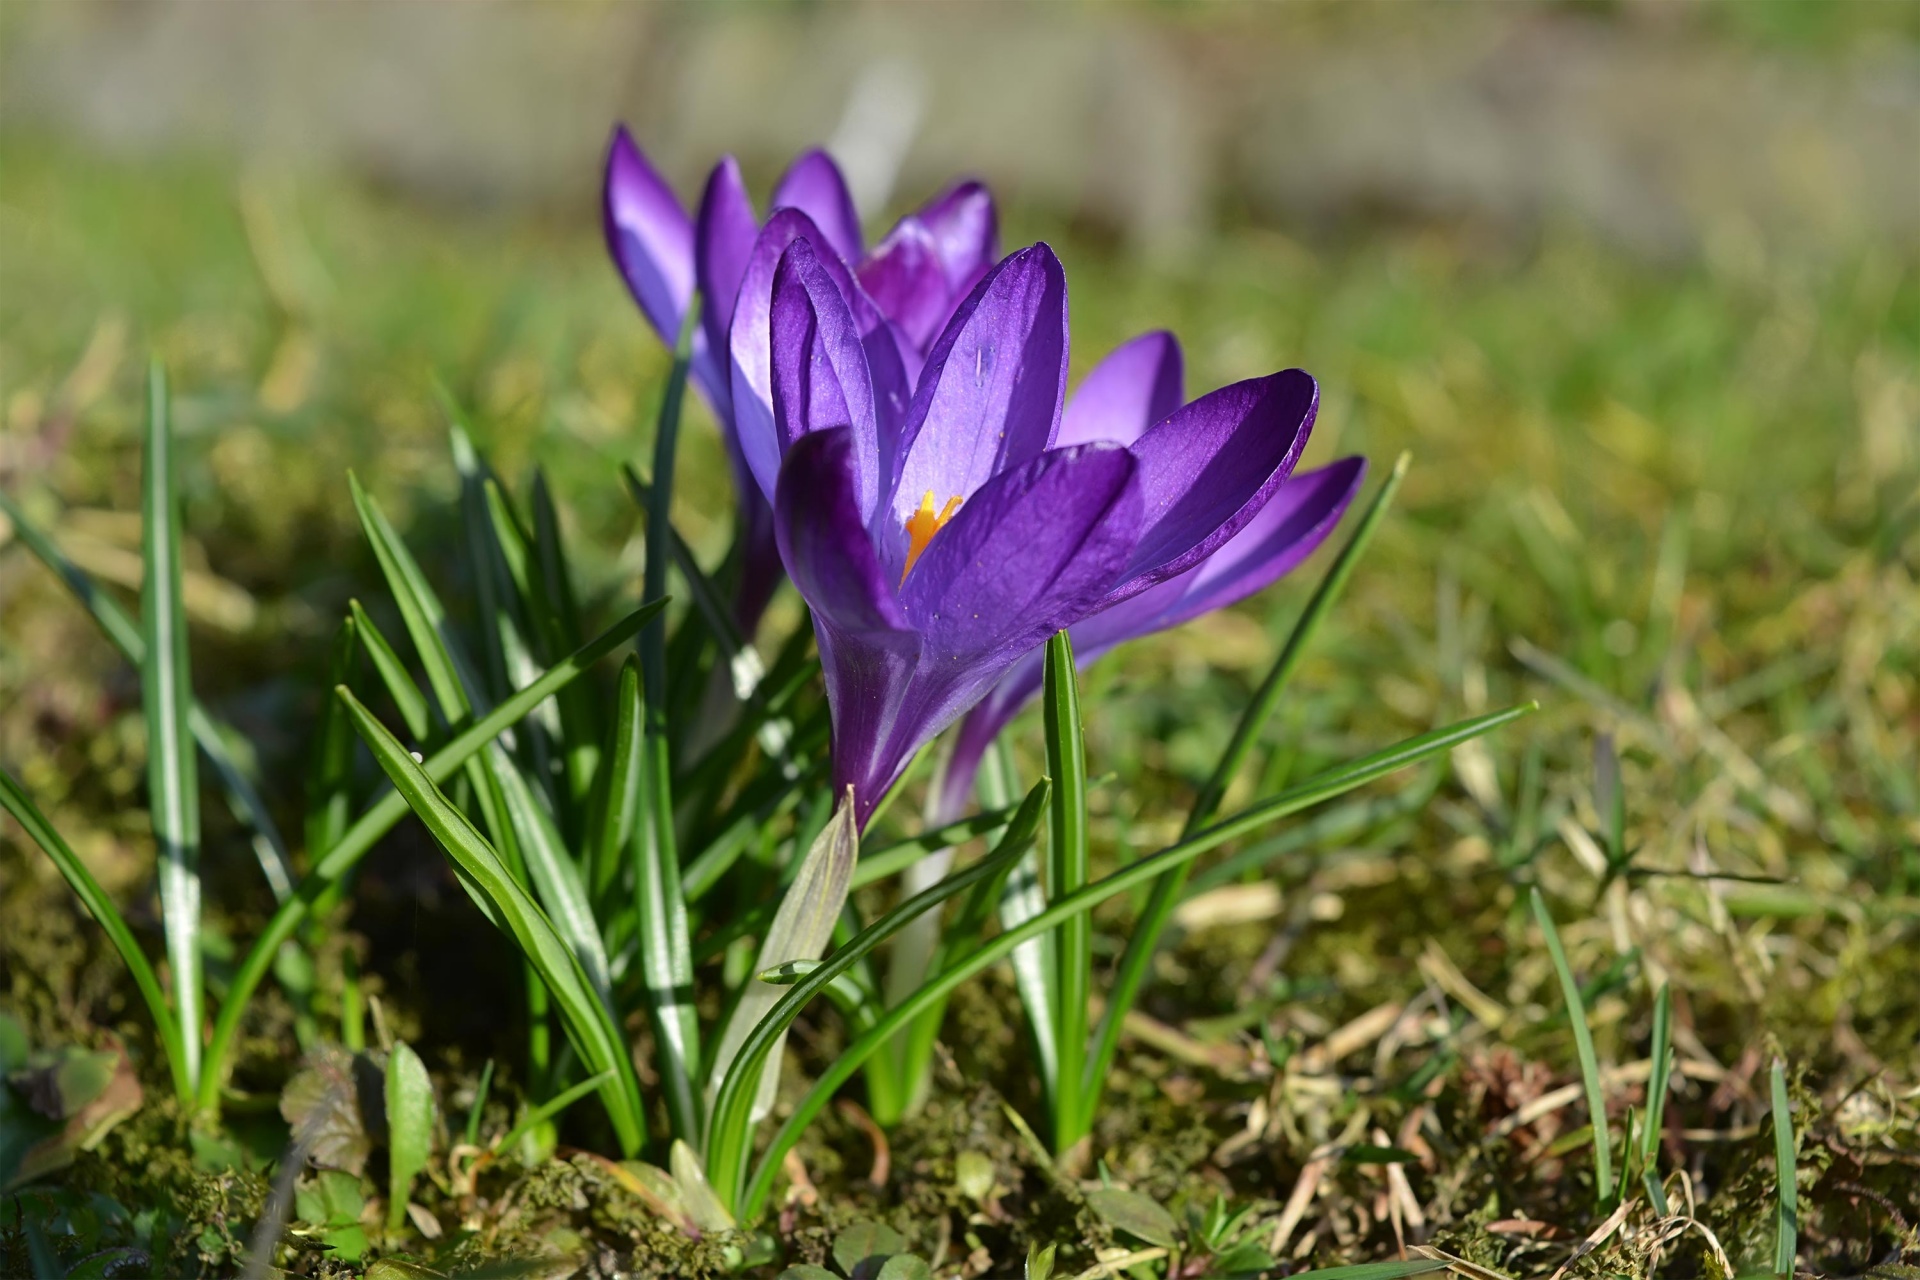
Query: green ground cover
column 1677, row 504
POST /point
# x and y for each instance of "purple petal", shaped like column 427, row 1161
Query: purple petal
column 989, row 395
column 750, row 336
column 867, row 651
column 1031, row 552
column 1137, row 385
column 813, row 184
column 649, row 235
column 1207, row 470
column 906, row 280
column 724, row 233
column 820, row 378
column 966, row 233
column 1291, row 527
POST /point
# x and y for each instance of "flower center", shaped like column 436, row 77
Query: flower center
column 922, row 525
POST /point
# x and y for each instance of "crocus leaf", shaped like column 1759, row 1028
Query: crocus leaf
column 409, row 1127
column 1135, row 1214
column 173, row 785
column 555, row 875
column 1066, row 873
column 1583, row 1048
column 330, row 779
column 729, row 1121
column 406, row 695
column 801, row 929
column 1326, row 786
column 212, row 735
column 377, row 820
column 589, row 1022
column 696, row 1193
column 16, row 802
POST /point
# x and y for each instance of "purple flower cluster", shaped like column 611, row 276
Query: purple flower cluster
column 903, row 439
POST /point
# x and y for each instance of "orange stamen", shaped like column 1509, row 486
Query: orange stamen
column 922, row 525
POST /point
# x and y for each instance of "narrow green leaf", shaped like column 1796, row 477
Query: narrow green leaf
column 394, row 678
column 554, row 874
column 617, row 803
column 377, row 820
column 1583, row 1046
column 329, row 797
column 166, row 687
column 449, row 675
column 1022, row 898
column 1137, row 960
column 729, row 1128
column 1786, row 1241
column 409, row 1127
column 549, row 1110
column 1246, row 734
column 101, row 908
column 1066, row 875
column 885, row 860
column 801, row 929
column 1316, row 790
column 479, row 1107
column 243, row 798
column 708, row 600
column 666, row 951
column 1657, row 1083
column 666, row 439
column 580, row 723
column 590, row 1025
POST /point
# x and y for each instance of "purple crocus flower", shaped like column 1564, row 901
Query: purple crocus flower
column 914, row 277
column 939, row 538
column 1136, row 386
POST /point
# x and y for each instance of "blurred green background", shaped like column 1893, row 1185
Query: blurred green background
column 1635, row 283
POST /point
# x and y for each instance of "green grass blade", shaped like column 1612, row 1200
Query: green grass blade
column 101, row 908
column 1314, row 791
column 377, row 820
column 243, row 798
column 660, row 913
column 885, row 860
column 1066, row 875
column 559, row 610
column 479, row 1107
column 616, row 808
column 449, row 675
column 707, row 597
column 728, row 1143
column 801, row 930
column 590, row 1024
column 1246, row 734
column 1786, row 1241
column 554, row 875
column 549, row 1109
column 1022, row 898
column 1137, row 960
column 1657, row 1083
column 166, row 687
column 666, row 440
column 406, row 695
column 1583, row 1046
column 329, row 795
column 409, row 1127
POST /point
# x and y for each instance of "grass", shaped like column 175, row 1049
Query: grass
column 1676, row 504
